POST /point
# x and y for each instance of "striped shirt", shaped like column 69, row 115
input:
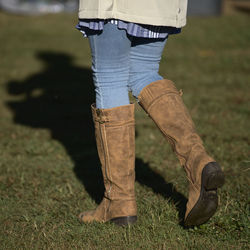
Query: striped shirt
column 95, row 26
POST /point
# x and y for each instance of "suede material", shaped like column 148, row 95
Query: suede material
column 115, row 138
column 163, row 102
column 99, row 214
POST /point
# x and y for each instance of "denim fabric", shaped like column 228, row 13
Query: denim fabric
column 121, row 63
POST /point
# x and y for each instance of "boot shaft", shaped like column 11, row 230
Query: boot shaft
column 163, row 102
column 115, row 138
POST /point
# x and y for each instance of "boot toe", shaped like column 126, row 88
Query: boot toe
column 86, row 217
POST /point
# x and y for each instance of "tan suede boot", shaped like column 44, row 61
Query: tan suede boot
column 115, row 139
column 162, row 101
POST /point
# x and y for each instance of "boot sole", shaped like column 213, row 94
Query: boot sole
column 205, row 207
column 124, row 221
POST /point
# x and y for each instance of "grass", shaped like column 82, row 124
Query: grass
column 49, row 170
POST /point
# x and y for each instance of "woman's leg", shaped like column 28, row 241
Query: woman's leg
column 162, row 101
column 110, row 66
column 145, row 57
column 114, row 127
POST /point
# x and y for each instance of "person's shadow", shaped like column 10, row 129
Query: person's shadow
column 59, row 99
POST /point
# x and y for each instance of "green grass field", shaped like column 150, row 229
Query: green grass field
column 49, row 170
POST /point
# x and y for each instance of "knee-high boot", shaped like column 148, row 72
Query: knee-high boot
column 164, row 105
column 115, row 139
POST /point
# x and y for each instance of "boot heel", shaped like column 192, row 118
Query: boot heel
column 212, row 176
column 124, row 221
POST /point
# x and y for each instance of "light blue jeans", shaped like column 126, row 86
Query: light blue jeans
column 121, row 64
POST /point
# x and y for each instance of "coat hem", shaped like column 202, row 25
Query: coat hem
column 157, row 21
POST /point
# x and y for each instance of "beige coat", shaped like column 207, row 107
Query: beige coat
column 154, row 12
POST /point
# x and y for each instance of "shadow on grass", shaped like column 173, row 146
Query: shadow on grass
column 146, row 176
column 59, row 99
